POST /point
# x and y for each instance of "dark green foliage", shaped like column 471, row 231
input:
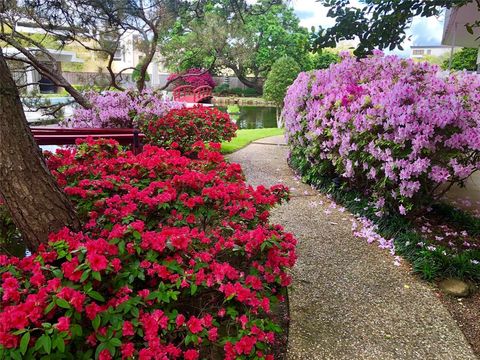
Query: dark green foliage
column 224, row 90
column 466, row 59
column 429, row 264
column 136, row 73
column 284, row 72
column 10, row 240
column 221, row 89
column 470, row 223
column 324, row 59
column 378, row 23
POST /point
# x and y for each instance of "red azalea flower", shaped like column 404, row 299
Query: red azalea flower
column 180, row 320
column 63, row 324
column 194, row 325
column 97, row 262
column 127, row 329
column 213, row 334
column 105, row 355
column 191, row 354
column 128, row 350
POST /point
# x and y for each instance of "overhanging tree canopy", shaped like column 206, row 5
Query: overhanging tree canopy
column 376, row 23
column 245, row 43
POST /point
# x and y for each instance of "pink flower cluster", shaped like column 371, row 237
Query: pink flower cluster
column 176, row 260
column 391, row 127
column 195, row 77
column 120, row 109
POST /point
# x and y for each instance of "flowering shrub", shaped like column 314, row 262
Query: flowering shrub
column 391, row 127
column 194, row 77
column 114, row 109
column 181, row 128
column 176, row 261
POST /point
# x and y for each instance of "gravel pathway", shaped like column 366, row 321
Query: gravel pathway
column 348, row 299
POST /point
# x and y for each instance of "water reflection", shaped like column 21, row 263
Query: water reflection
column 252, row 117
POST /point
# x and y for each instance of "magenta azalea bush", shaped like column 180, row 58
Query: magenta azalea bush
column 393, row 128
column 176, row 260
column 120, row 109
column 194, row 77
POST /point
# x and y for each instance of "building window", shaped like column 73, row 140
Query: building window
column 418, row 52
column 118, row 55
column 429, row 52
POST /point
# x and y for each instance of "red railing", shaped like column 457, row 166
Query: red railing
column 67, row 136
column 183, row 92
column 202, row 92
column 189, row 94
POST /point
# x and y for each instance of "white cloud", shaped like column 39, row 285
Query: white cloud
column 311, row 13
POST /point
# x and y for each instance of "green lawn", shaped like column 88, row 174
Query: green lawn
column 245, row 137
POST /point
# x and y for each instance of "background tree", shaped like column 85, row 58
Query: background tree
column 246, row 44
column 284, row 72
column 465, row 59
column 323, row 59
column 97, row 26
column 35, row 202
column 377, row 23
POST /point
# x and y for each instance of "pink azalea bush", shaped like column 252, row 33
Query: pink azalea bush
column 176, row 260
column 391, row 127
column 194, row 77
column 120, row 109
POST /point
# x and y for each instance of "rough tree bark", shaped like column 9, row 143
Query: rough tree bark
column 254, row 83
column 31, row 194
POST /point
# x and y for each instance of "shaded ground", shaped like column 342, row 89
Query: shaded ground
column 348, row 300
column 466, row 312
column 468, row 197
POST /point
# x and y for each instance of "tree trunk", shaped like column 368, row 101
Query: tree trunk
column 257, row 85
column 33, row 197
column 142, row 78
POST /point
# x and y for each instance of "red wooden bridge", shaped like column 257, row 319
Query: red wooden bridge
column 189, row 94
column 67, row 136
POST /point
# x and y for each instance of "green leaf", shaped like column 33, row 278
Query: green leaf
column 85, row 275
column 18, row 332
column 115, row 342
column 76, row 330
column 49, row 308
column 62, row 303
column 59, row 343
column 96, row 275
column 96, row 322
column 153, row 295
column 15, row 355
column 45, row 342
column 188, row 339
column 96, row 295
column 193, row 289
column 24, row 343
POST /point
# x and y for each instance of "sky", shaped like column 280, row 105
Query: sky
column 424, row 31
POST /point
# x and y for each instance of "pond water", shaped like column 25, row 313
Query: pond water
column 37, row 117
column 252, row 117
